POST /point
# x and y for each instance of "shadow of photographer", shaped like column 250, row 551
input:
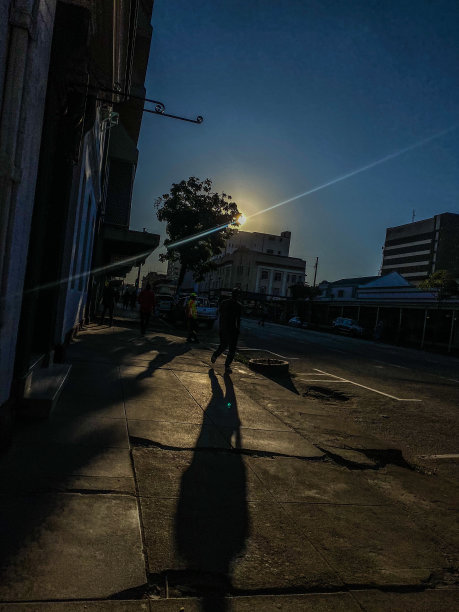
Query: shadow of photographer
column 212, row 521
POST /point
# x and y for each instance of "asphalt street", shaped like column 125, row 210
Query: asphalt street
column 407, row 395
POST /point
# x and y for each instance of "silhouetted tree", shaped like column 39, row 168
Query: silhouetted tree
column 443, row 282
column 191, row 207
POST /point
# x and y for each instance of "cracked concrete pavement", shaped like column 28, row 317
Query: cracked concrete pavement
column 158, row 483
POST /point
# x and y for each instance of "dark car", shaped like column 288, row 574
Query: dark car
column 348, row 326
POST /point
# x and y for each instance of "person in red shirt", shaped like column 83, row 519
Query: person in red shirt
column 147, row 302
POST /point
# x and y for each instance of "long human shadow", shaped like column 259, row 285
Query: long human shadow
column 161, row 359
column 212, row 520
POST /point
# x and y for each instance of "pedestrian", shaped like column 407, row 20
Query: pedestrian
column 126, row 299
column 191, row 313
column 108, row 303
column 230, row 325
column 378, row 330
column 263, row 316
column 147, row 301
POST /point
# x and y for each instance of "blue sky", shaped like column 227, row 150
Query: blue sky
column 295, row 93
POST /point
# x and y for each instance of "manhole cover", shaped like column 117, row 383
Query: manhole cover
column 323, row 393
column 270, row 367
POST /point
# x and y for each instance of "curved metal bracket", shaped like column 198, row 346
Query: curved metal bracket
column 160, row 107
column 161, row 111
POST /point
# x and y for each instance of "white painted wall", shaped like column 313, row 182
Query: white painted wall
column 29, row 138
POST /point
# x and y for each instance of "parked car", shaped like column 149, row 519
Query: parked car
column 348, row 326
column 206, row 313
column 164, row 304
column 296, row 322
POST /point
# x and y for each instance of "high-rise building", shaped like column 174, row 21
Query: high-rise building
column 415, row 250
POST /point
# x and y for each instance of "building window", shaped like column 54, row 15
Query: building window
column 277, row 276
column 264, row 275
column 263, row 289
column 270, row 251
column 293, row 277
column 340, row 293
column 239, row 270
column 276, row 290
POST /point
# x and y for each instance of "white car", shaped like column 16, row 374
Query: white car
column 296, row 322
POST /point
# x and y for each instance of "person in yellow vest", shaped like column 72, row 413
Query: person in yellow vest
column 192, row 318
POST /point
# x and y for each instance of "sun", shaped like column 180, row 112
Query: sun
column 240, row 219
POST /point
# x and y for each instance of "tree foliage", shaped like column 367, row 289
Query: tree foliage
column 191, row 207
column 304, row 291
column 443, row 281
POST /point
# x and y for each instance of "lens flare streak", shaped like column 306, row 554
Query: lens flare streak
column 348, row 175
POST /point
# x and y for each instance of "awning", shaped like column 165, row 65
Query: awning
column 129, row 247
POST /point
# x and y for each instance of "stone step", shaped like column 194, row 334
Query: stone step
column 43, row 390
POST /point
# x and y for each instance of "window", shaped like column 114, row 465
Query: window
column 276, row 290
column 340, row 293
column 293, row 278
column 270, row 251
column 277, row 276
column 239, row 270
column 264, row 275
column 263, row 289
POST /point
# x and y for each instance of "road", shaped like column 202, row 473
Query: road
column 404, row 395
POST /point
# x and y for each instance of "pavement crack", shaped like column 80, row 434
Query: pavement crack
column 379, row 458
column 445, row 577
column 137, row 442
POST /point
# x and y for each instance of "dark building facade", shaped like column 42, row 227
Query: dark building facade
column 415, row 250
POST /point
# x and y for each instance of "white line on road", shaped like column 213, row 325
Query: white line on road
column 399, row 399
column 323, row 380
column 450, row 456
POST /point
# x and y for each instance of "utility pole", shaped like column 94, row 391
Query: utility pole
column 413, row 216
column 315, row 271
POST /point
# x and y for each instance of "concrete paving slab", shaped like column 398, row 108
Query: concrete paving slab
column 315, row 482
column 171, row 405
column 432, row 600
column 174, row 473
column 78, row 606
column 315, row 602
column 106, row 408
column 15, row 484
column 179, row 435
column 69, row 546
column 225, row 404
column 378, row 545
column 287, row 443
column 60, row 459
column 224, row 538
column 99, row 389
column 84, row 431
column 146, row 375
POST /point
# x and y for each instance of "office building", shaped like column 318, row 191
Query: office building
column 415, row 250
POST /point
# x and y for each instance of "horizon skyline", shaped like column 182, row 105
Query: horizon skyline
column 296, row 96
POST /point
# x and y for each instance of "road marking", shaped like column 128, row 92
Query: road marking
column 399, row 399
column 323, row 380
column 450, row 456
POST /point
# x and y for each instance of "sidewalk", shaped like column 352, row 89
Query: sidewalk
column 160, row 484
